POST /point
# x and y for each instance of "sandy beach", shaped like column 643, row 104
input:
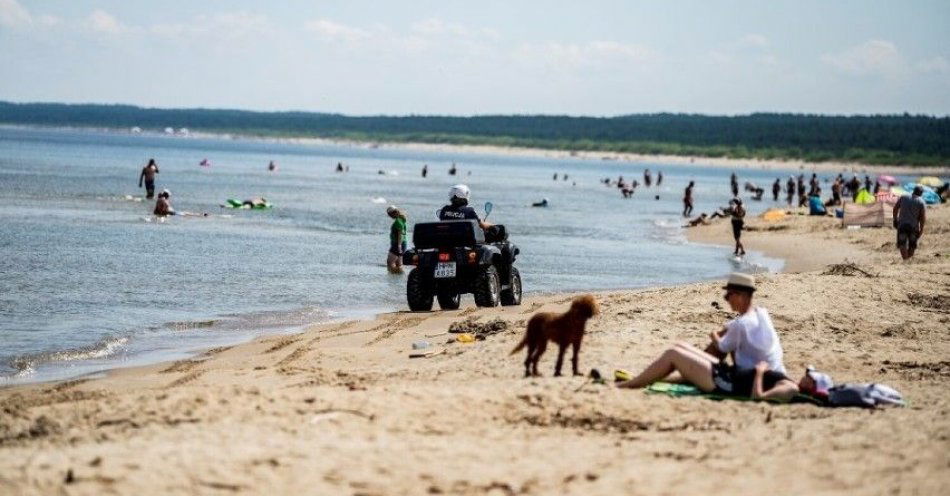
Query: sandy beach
column 342, row 409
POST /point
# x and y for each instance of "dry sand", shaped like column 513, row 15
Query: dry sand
column 341, row 409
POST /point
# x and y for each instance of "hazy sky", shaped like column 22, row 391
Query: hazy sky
column 477, row 57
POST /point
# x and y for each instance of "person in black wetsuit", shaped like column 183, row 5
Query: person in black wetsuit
column 458, row 208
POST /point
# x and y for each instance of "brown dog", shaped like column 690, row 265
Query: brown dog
column 563, row 328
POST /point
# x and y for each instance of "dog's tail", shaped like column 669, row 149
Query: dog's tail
column 521, row 345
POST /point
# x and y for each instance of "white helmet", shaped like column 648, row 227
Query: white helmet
column 460, row 191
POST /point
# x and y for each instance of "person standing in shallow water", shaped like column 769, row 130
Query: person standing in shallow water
column 688, row 199
column 148, row 177
column 425, row 170
column 397, row 239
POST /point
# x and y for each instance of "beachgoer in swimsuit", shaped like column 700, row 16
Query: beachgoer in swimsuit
column 738, row 220
column 702, row 219
column 148, row 176
column 397, row 239
column 688, row 199
column 163, row 205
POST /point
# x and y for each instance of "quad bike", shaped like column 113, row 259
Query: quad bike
column 455, row 257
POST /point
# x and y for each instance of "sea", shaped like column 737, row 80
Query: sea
column 90, row 281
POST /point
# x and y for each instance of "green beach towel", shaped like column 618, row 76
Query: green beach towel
column 681, row 390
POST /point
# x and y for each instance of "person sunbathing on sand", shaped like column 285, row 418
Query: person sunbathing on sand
column 751, row 341
column 702, row 219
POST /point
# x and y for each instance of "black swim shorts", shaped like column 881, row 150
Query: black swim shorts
column 907, row 236
column 732, row 380
column 737, row 228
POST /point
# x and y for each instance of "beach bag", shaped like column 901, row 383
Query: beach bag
column 864, row 395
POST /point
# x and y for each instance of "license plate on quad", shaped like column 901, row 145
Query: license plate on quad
column 445, row 270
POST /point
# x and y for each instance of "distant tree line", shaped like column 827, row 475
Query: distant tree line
column 876, row 139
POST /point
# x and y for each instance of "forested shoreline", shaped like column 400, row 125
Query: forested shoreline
column 875, row 139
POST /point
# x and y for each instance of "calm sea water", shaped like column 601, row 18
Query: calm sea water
column 86, row 283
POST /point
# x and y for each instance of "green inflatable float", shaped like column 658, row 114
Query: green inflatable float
column 262, row 204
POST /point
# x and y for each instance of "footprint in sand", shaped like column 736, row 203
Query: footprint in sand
column 281, row 344
column 185, row 379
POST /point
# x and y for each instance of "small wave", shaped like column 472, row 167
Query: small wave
column 25, row 365
column 189, row 325
column 667, row 231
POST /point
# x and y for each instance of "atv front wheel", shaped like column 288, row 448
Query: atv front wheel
column 512, row 295
column 449, row 298
column 487, row 287
column 418, row 294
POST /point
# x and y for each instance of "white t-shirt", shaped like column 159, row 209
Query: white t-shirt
column 753, row 339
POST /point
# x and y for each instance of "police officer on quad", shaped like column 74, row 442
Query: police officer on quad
column 458, row 208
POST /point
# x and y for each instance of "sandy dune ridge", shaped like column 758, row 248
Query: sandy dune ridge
column 341, row 409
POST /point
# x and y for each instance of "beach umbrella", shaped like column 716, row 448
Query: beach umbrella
column 883, row 179
column 932, row 181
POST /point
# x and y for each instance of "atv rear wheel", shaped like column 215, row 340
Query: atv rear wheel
column 418, row 293
column 487, row 287
column 449, row 298
column 512, row 295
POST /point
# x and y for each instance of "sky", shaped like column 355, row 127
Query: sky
column 448, row 57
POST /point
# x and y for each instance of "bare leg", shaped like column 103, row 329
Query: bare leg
column 694, row 368
column 701, row 354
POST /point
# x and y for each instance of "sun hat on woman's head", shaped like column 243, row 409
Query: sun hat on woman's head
column 740, row 282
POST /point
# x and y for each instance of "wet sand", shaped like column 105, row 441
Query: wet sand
column 342, row 409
